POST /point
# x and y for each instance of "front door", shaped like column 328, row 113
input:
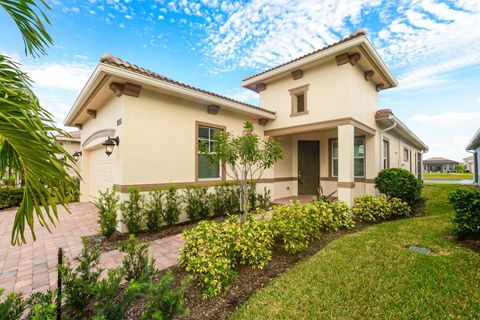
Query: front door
column 308, row 167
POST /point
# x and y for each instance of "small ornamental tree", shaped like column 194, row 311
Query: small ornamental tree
column 246, row 157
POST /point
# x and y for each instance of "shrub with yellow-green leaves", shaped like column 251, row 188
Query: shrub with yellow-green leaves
column 297, row 225
column 373, row 209
column 212, row 250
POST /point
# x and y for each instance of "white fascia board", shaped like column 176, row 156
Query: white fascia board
column 324, row 54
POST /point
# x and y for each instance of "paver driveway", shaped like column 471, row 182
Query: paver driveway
column 32, row 266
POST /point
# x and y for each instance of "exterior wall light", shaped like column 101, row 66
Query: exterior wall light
column 77, row 155
column 109, row 144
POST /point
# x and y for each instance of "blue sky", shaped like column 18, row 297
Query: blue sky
column 431, row 46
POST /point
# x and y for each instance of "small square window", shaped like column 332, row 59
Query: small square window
column 300, row 103
column 405, row 154
column 299, row 100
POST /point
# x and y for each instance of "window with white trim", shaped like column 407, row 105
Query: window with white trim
column 205, row 169
column 386, row 154
column 359, row 157
column 334, row 156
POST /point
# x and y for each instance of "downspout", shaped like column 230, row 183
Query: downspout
column 391, row 118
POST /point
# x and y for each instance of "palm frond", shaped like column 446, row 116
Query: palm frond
column 28, row 145
column 30, row 19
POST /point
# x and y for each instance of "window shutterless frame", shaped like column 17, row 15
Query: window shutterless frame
column 358, row 155
column 386, row 154
column 202, row 137
column 299, row 100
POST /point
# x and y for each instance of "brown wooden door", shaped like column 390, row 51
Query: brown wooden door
column 308, row 167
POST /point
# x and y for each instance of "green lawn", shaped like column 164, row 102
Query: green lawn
column 371, row 275
column 448, row 176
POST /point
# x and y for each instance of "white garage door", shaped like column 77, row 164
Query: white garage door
column 100, row 175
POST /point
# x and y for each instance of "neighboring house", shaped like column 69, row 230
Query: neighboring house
column 322, row 108
column 71, row 145
column 469, row 164
column 439, row 164
column 474, row 147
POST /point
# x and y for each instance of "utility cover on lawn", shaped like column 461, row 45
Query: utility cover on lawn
column 419, row 250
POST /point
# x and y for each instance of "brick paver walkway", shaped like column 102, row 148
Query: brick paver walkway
column 32, row 267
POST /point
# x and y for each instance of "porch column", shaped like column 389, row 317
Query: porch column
column 346, row 181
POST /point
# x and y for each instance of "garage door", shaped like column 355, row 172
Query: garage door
column 100, row 175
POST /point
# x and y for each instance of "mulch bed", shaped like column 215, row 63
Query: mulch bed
column 109, row 244
column 248, row 282
column 472, row 243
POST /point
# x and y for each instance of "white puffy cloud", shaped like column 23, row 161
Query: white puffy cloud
column 448, row 118
column 60, row 76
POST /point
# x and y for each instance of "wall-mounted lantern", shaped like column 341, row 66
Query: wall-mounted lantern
column 77, row 155
column 110, row 144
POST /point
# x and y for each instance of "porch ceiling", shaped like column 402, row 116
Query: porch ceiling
column 322, row 125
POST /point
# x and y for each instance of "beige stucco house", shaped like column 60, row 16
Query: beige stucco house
column 322, row 108
column 474, row 147
column 72, row 145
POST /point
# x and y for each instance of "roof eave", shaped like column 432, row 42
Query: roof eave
column 388, row 115
column 107, row 69
column 474, row 143
column 358, row 41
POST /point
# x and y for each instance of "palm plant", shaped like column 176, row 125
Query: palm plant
column 27, row 131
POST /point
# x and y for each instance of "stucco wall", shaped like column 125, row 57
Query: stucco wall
column 159, row 134
column 106, row 118
column 334, row 92
column 71, row 147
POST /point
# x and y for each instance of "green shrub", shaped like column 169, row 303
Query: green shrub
column 294, row 226
column 75, row 193
column 297, row 225
column 399, row 183
column 154, row 210
column 466, row 203
column 264, row 200
column 224, row 199
column 43, row 306
column 162, row 302
column 208, row 254
column 112, row 302
column 137, row 263
column 132, row 211
column 107, row 205
column 172, row 209
column 399, row 208
column 212, row 250
column 368, row 208
column 197, row 204
column 252, row 241
column 79, row 283
column 13, row 306
column 10, row 197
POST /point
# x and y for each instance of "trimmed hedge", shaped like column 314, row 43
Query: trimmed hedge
column 10, row 197
column 212, row 250
column 466, row 203
column 399, row 183
column 368, row 208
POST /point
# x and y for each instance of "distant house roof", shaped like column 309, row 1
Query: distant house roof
column 475, row 142
column 74, row 136
column 470, row 158
column 439, row 160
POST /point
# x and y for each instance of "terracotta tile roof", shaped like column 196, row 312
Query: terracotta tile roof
column 354, row 35
column 117, row 62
